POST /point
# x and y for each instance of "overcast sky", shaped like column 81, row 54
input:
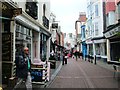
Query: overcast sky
column 67, row 12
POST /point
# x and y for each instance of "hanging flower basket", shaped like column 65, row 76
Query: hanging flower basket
column 118, row 34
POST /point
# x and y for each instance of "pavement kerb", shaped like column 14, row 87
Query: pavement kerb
column 54, row 75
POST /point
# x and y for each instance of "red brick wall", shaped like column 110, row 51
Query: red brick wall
column 110, row 6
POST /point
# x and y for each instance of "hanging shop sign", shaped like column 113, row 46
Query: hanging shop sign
column 55, row 25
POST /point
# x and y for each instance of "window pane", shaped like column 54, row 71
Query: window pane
column 96, row 10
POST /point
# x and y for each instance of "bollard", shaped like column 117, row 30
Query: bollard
column 95, row 60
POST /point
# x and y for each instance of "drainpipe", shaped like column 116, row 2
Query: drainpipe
column 95, row 60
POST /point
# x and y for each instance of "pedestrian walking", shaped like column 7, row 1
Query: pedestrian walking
column 76, row 54
column 81, row 55
column 66, row 57
column 23, row 68
column 63, row 60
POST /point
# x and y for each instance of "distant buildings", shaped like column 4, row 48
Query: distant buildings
column 69, row 41
column 100, row 33
column 57, row 36
column 80, row 27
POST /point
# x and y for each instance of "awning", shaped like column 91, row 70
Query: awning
column 97, row 38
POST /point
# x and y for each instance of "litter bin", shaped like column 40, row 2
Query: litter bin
column 52, row 64
column 52, row 61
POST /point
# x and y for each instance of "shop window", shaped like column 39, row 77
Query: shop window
column 103, row 49
column 21, row 39
column 96, row 10
column 6, row 26
column 91, row 49
column 26, row 31
column 97, row 49
column 17, row 27
column 22, row 30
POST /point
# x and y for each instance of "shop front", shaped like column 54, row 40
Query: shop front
column 16, row 34
column 100, row 49
column 7, row 41
column 113, row 42
column 115, row 49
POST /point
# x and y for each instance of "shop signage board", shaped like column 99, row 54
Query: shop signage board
column 36, row 75
column 112, row 32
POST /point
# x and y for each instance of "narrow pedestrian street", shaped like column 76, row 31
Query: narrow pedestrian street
column 83, row 74
column 38, row 35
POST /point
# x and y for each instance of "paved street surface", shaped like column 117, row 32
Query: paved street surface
column 83, row 74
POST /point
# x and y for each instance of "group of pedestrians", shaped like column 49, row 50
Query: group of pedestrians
column 78, row 55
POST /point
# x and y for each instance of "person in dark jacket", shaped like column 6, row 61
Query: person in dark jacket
column 76, row 54
column 23, row 68
column 65, row 57
column 81, row 55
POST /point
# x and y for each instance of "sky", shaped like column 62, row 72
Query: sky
column 67, row 12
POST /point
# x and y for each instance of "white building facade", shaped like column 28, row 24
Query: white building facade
column 96, row 42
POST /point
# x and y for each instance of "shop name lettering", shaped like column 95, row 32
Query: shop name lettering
column 3, row 7
column 36, row 73
column 112, row 32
